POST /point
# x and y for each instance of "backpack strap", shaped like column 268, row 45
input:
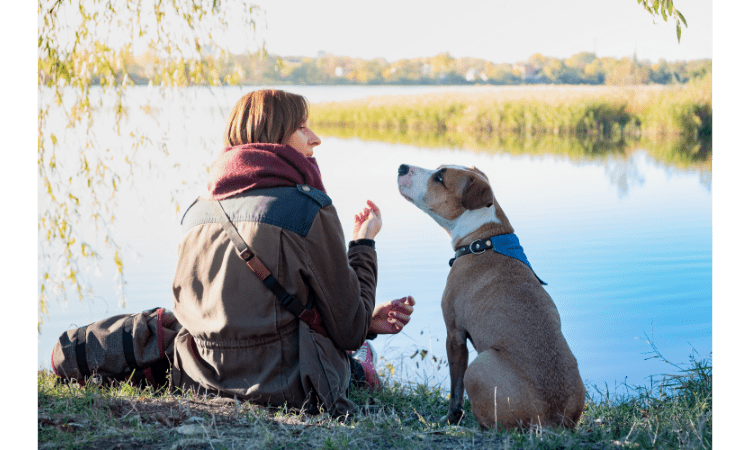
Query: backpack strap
column 127, row 343
column 83, row 366
column 307, row 314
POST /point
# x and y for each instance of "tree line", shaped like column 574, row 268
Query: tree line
column 441, row 69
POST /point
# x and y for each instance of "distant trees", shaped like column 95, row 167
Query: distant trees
column 326, row 69
column 627, row 71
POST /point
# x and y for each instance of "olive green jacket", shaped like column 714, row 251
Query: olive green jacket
column 237, row 339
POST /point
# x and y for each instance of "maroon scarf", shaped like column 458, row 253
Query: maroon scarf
column 254, row 166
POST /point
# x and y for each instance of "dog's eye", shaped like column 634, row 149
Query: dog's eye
column 438, row 177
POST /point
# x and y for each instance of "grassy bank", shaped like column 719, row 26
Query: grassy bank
column 611, row 112
column 675, row 413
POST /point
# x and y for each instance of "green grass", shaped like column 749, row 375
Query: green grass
column 611, row 112
column 675, row 413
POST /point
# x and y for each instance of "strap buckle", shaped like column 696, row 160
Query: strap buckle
column 246, row 254
column 286, row 300
column 477, row 245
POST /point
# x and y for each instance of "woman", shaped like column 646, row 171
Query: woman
column 238, row 340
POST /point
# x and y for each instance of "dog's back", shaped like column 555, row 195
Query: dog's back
column 506, row 309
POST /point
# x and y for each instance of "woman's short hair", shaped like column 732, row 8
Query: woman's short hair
column 265, row 116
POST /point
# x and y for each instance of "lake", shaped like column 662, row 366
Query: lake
column 623, row 239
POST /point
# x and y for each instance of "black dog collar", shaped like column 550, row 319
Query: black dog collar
column 477, row 247
column 506, row 244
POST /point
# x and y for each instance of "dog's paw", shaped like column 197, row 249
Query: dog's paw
column 453, row 417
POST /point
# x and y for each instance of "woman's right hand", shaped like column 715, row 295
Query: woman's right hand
column 391, row 317
column 367, row 223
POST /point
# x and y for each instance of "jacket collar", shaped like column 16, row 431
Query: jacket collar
column 506, row 244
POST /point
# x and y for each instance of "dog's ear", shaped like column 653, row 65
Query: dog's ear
column 474, row 169
column 477, row 193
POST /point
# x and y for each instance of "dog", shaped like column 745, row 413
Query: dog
column 524, row 374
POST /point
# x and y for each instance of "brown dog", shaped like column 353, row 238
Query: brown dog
column 524, row 373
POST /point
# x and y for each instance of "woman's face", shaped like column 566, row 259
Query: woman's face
column 303, row 140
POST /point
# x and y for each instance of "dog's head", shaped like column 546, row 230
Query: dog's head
column 459, row 199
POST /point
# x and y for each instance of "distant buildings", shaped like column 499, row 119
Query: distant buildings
column 471, row 76
column 525, row 70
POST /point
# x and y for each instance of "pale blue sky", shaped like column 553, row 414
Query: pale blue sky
column 496, row 30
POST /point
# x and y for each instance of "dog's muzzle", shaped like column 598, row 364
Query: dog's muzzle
column 403, row 169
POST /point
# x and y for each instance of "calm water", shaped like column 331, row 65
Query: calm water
column 624, row 241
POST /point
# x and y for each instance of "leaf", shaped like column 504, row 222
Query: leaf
column 118, row 262
column 679, row 32
column 679, row 14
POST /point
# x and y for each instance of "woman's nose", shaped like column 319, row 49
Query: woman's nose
column 313, row 140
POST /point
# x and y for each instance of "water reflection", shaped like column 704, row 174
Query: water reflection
column 617, row 156
column 623, row 173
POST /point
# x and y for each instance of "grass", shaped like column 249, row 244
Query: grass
column 675, row 413
column 595, row 111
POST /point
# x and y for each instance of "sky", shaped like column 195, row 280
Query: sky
column 494, row 30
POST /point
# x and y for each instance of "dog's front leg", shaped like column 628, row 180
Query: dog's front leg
column 458, row 357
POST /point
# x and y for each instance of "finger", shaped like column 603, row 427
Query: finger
column 403, row 308
column 402, row 318
column 396, row 324
column 405, row 304
column 373, row 207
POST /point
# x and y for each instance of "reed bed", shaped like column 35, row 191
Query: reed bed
column 596, row 111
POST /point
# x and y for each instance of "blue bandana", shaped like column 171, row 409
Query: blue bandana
column 509, row 245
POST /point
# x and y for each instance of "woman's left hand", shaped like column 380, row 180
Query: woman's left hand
column 391, row 317
column 367, row 223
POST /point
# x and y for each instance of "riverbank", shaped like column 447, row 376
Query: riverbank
column 674, row 413
column 594, row 111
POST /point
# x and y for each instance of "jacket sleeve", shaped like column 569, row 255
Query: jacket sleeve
column 343, row 282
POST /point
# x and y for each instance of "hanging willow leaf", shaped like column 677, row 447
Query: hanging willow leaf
column 679, row 14
column 665, row 9
column 79, row 53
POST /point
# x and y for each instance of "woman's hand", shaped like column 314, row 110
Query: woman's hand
column 367, row 224
column 391, row 317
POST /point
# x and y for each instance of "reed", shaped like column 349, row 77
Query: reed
column 598, row 111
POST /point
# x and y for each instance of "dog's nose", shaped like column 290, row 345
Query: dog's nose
column 403, row 169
